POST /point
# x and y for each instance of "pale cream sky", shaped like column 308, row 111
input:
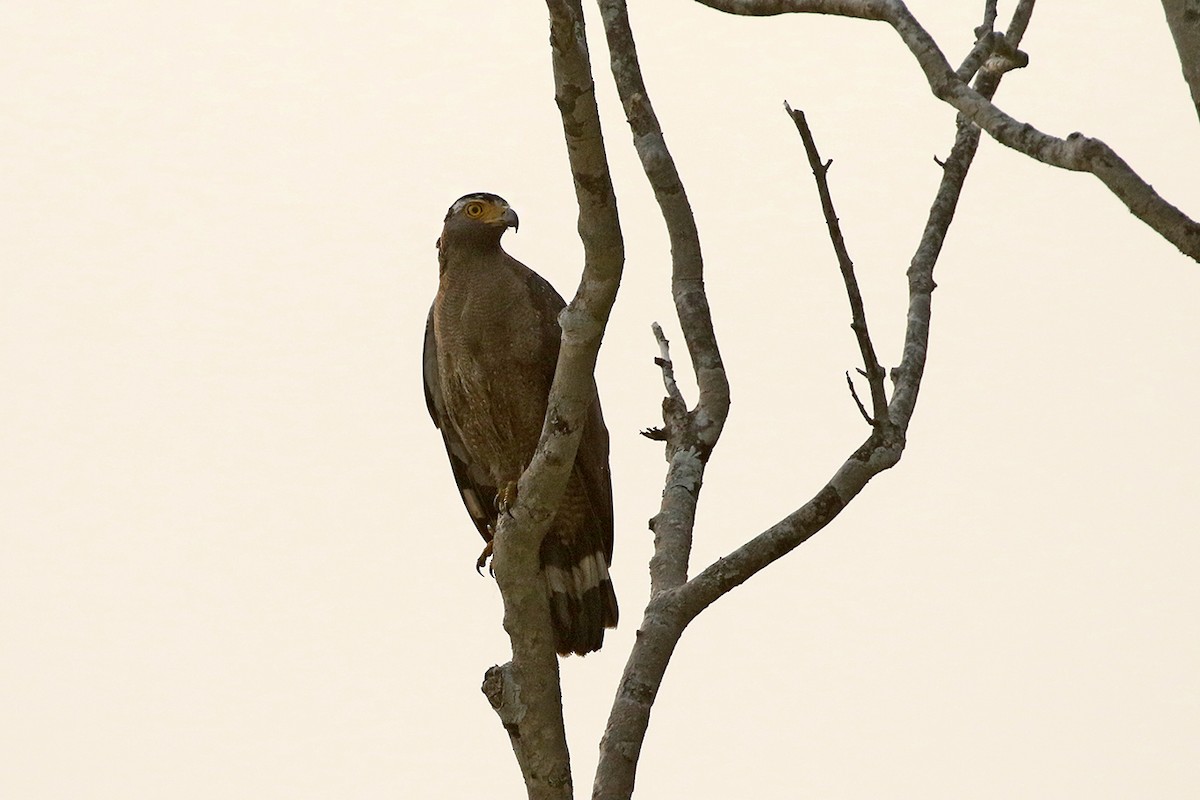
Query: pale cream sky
column 232, row 560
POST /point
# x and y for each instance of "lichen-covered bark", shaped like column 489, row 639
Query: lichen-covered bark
column 675, row 601
column 526, row 692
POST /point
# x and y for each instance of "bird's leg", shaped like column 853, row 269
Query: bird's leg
column 506, row 497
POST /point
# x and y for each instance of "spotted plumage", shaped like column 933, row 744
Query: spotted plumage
column 491, row 345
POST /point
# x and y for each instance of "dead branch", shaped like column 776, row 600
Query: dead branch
column 1077, row 152
column 690, row 435
column 884, row 447
column 674, row 603
column 529, row 694
column 871, row 368
column 1183, row 17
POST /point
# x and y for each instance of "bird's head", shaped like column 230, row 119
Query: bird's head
column 478, row 218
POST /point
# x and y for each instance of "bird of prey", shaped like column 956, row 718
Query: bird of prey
column 491, row 345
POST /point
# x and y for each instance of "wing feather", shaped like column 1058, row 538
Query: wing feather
column 474, row 489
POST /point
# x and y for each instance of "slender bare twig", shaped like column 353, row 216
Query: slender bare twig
column 674, row 406
column 1077, row 152
column 674, row 396
column 854, row 394
column 885, row 446
column 872, row 370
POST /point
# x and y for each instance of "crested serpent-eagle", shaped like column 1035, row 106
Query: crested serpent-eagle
column 491, row 345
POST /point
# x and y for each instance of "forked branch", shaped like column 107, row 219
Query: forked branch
column 1076, row 152
column 675, row 601
column 690, row 434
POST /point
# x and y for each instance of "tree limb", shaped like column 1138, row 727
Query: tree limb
column 672, row 604
column 871, row 368
column 690, row 435
column 526, row 692
column 687, row 263
column 696, row 432
column 884, row 447
column 1183, row 17
column 1077, row 152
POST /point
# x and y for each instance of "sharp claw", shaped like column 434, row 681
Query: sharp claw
column 483, row 559
column 506, row 498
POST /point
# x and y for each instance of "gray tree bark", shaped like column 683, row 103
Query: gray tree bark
column 526, row 692
column 1183, row 18
column 675, row 600
column 1076, row 152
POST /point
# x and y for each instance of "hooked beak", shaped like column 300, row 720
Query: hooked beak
column 510, row 219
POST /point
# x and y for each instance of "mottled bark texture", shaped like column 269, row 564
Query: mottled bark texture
column 675, row 600
column 1076, row 152
column 1183, row 17
column 526, row 692
column 690, row 434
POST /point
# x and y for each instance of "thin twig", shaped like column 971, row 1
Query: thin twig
column 1076, row 152
column 874, row 372
column 668, row 368
column 854, row 393
column 883, row 449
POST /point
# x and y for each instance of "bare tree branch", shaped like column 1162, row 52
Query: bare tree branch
column 1183, row 17
column 690, row 435
column 526, row 692
column 674, row 604
column 1077, row 152
column 907, row 376
column 854, row 394
column 871, row 368
column 674, row 396
column 884, row 447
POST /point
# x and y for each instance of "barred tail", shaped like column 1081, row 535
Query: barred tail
column 582, row 600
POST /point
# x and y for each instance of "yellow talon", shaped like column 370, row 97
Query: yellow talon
column 483, row 559
column 506, row 497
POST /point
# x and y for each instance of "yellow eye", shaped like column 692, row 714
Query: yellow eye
column 474, row 210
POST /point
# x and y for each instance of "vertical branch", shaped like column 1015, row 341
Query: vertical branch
column 907, row 376
column 526, row 693
column 699, row 431
column 690, row 435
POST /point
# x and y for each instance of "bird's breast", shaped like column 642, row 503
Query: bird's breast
column 492, row 380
